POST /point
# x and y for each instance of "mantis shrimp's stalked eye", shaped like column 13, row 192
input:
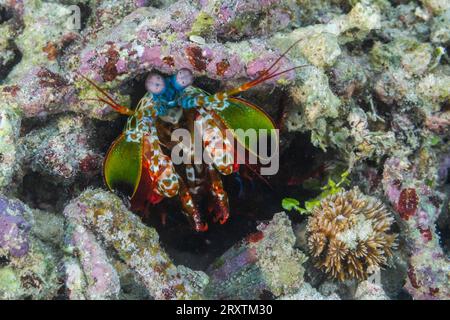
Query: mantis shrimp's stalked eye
column 155, row 83
column 183, row 78
column 137, row 165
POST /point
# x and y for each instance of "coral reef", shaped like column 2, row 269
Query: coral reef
column 15, row 230
column 372, row 96
column 137, row 245
column 10, row 121
column 264, row 262
column 349, row 235
column 62, row 150
column 307, row 292
column 370, row 291
column 28, row 268
column 418, row 207
column 90, row 275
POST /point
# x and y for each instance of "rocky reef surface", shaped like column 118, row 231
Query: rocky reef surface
column 373, row 98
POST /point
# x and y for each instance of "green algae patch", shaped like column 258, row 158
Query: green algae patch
column 202, row 25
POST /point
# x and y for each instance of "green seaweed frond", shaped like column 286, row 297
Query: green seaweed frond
column 435, row 141
column 330, row 188
column 438, row 53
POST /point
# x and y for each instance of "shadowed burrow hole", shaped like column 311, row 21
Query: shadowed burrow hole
column 7, row 65
column 5, row 14
column 357, row 47
column 85, row 13
column 252, row 199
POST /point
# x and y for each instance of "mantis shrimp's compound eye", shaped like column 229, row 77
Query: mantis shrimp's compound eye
column 155, row 83
column 184, row 78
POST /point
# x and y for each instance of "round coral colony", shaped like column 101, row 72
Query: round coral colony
column 349, row 235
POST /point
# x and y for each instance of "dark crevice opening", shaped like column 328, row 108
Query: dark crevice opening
column 257, row 203
column 7, row 66
column 5, row 14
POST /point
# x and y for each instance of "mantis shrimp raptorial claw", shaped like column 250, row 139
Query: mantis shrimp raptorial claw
column 137, row 164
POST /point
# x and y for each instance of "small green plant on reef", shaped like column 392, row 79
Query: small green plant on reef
column 330, row 188
column 435, row 141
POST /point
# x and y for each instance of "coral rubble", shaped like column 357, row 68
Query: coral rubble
column 28, row 268
column 264, row 262
column 418, row 207
column 137, row 245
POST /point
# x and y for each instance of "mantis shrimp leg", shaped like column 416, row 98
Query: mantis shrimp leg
column 166, row 182
column 190, row 208
column 161, row 169
column 217, row 145
column 220, row 196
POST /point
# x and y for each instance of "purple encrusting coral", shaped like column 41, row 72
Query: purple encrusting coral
column 101, row 280
column 14, row 229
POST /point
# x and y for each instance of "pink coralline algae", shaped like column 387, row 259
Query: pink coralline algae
column 42, row 92
column 145, row 39
column 255, row 67
column 407, row 203
column 144, row 49
column 419, row 207
column 14, row 229
column 101, row 280
column 99, row 213
column 63, row 149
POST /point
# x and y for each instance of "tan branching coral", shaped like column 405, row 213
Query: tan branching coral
column 349, row 235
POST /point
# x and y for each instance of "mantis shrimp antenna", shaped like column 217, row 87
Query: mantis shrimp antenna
column 109, row 100
column 266, row 74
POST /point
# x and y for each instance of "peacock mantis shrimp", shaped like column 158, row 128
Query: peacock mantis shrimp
column 135, row 163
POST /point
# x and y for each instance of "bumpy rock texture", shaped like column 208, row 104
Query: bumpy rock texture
column 137, row 245
column 264, row 262
column 29, row 259
column 373, row 93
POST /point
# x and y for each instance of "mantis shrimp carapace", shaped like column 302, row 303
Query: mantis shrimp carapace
column 136, row 164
